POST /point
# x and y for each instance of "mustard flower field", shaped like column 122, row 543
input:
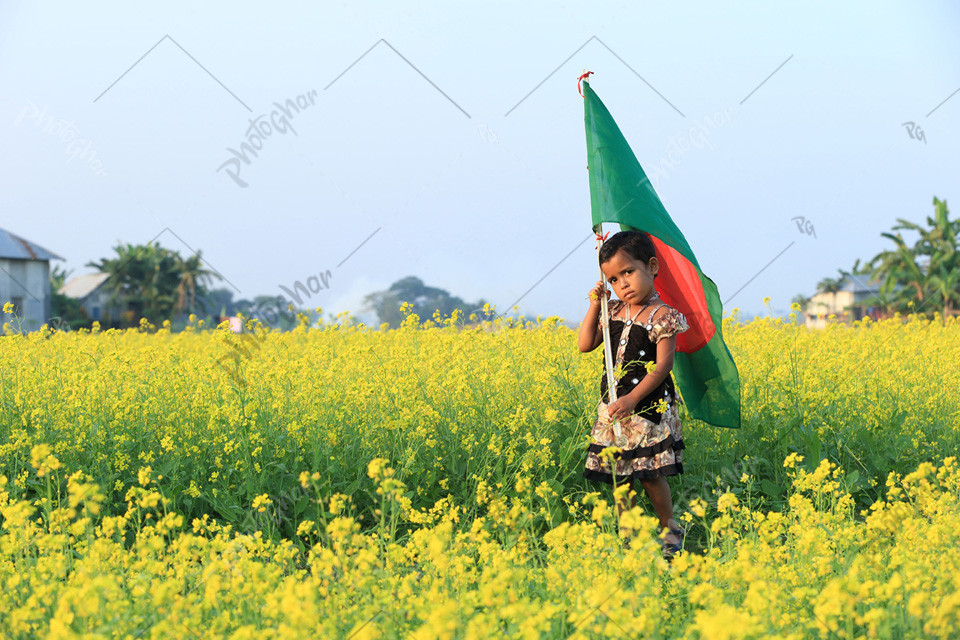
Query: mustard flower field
column 342, row 481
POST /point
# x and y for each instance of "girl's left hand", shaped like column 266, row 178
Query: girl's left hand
column 622, row 408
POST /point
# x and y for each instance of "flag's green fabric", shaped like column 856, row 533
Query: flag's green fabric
column 620, row 192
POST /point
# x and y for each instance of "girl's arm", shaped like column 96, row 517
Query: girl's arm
column 665, row 350
column 590, row 333
column 591, row 336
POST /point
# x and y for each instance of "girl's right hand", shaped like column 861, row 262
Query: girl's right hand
column 598, row 290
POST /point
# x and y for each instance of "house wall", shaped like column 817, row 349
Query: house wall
column 824, row 304
column 827, row 303
column 26, row 283
column 98, row 307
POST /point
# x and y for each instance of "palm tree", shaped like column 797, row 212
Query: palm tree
column 58, row 277
column 192, row 279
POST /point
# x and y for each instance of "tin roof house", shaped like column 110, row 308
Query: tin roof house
column 848, row 303
column 94, row 298
column 24, row 281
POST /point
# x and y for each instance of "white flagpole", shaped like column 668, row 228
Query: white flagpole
column 605, row 324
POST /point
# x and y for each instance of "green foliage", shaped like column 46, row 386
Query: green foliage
column 58, row 277
column 425, row 300
column 925, row 274
column 154, row 282
column 65, row 312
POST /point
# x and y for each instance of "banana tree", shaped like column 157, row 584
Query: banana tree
column 926, row 272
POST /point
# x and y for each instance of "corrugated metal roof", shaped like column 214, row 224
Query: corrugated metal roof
column 13, row 247
column 860, row 283
column 80, row 287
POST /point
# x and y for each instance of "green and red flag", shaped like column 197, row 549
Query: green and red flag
column 621, row 193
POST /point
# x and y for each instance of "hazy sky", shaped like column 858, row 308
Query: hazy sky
column 446, row 139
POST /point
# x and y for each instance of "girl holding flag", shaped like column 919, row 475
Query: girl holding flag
column 644, row 329
column 652, row 338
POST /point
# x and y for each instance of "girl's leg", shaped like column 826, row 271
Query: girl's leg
column 659, row 493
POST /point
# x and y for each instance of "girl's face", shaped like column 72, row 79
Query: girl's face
column 631, row 279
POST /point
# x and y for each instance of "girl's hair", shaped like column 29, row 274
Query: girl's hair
column 638, row 246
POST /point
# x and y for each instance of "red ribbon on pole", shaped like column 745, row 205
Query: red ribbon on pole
column 579, row 88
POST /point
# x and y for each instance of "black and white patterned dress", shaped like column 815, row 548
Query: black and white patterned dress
column 651, row 442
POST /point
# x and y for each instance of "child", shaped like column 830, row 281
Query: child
column 643, row 330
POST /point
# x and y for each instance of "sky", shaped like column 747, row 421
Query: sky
column 445, row 140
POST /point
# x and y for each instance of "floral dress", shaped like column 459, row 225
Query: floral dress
column 651, row 442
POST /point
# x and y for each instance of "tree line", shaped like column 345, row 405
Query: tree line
column 152, row 282
column 919, row 274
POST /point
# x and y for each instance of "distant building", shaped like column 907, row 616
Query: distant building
column 93, row 297
column 847, row 303
column 24, row 281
